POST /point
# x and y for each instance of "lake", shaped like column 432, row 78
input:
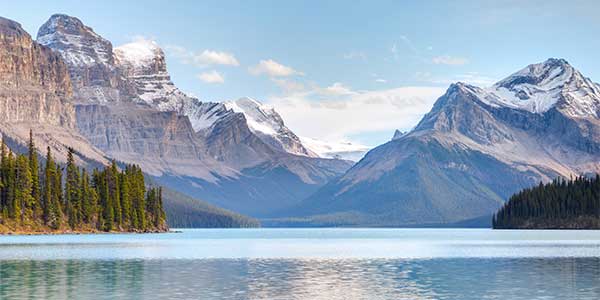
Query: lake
column 304, row 264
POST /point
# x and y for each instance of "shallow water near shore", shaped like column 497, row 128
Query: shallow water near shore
column 304, row 264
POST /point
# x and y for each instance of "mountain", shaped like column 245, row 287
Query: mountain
column 35, row 93
column 238, row 154
column 88, row 56
column 398, row 134
column 268, row 125
column 474, row 149
column 339, row 150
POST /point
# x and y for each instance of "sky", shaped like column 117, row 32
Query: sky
column 340, row 70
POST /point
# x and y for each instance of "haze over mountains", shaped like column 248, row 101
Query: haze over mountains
column 462, row 161
column 475, row 148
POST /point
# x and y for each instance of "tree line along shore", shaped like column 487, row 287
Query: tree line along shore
column 60, row 199
column 560, row 204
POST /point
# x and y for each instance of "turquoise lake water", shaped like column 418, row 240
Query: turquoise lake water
column 304, row 264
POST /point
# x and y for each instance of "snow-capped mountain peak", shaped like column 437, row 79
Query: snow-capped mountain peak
column 265, row 122
column 86, row 47
column 542, row 86
column 260, row 117
column 139, row 54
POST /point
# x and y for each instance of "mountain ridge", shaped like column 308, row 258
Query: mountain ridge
column 441, row 171
column 136, row 108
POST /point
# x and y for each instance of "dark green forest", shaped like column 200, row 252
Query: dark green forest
column 561, row 204
column 57, row 198
column 186, row 212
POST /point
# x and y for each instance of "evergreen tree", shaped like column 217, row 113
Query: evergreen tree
column 560, row 204
column 114, row 193
column 125, row 198
column 111, row 199
column 4, row 173
column 34, row 169
column 13, row 205
column 72, row 191
column 23, row 185
column 51, row 207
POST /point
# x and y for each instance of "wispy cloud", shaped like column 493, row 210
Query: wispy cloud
column 338, row 112
column 272, row 68
column 210, row 57
column 202, row 59
column 337, row 89
column 449, row 60
column 407, row 47
column 380, row 80
column 474, row 78
column 211, row 77
column 289, row 86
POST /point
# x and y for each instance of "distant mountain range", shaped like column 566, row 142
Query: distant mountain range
column 475, row 148
column 461, row 162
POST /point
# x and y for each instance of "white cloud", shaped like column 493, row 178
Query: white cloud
column 273, row 69
column 309, row 113
column 470, row 77
column 449, row 60
column 380, row 80
column 211, row 77
column 202, row 59
column 337, row 89
column 209, row 57
column 289, row 86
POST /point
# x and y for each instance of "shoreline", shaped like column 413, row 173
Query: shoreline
column 70, row 232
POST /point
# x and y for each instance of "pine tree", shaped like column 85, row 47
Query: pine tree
column 4, row 171
column 125, row 199
column 114, row 193
column 14, row 206
column 112, row 199
column 560, row 204
column 50, row 208
column 23, row 195
column 34, row 169
column 72, row 191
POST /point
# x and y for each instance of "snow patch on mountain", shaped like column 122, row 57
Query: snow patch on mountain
column 264, row 121
column 86, row 48
column 338, row 150
column 138, row 54
column 540, row 87
column 260, row 117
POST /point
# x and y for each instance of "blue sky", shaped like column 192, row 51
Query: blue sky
column 335, row 69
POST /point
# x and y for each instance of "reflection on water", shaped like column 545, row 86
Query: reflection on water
column 304, row 264
column 562, row 278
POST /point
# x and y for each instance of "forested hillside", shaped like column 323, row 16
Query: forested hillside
column 561, row 204
column 186, row 212
column 55, row 198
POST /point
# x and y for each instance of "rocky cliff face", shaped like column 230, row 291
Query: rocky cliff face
column 161, row 142
column 473, row 150
column 35, row 81
column 116, row 108
column 89, row 58
column 35, row 93
column 129, row 107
